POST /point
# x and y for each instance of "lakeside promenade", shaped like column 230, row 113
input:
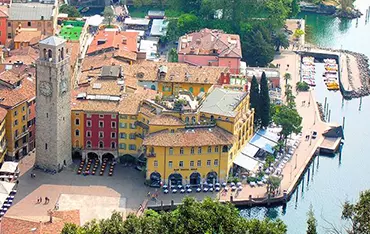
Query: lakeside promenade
column 304, row 153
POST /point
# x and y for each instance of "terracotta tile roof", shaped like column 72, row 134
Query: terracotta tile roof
column 109, row 40
column 10, row 77
column 147, row 110
column 189, row 137
column 167, row 120
column 2, row 114
column 129, row 103
column 100, row 60
column 74, row 50
column 42, row 225
column 27, row 55
column 32, row 37
column 17, row 73
column 11, row 97
column 207, row 40
column 125, row 54
column 174, row 72
column 148, row 70
column 3, row 11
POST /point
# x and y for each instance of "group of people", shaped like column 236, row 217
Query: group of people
column 39, row 200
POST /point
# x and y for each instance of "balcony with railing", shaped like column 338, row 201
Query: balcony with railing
column 151, row 154
column 22, row 134
column 142, row 124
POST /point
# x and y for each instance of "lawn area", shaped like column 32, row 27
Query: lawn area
column 71, row 30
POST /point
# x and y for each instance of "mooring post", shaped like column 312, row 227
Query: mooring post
column 359, row 108
column 344, row 121
column 326, row 99
column 329, row 116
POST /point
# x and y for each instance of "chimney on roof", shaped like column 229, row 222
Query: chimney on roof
column 124, row 40
column 198, row 41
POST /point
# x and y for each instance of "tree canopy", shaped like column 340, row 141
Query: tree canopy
column 108, row 14
column 191, row 217
column 358, row 214
column 70, row 10
column 255, row 98
column 311, row 222
column 264, row 101
column 289, row 119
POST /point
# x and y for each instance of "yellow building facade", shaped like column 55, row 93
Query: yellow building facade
column 3, row 145
column 169, row 88
column 16, row 129
column 77, row 128
column 199, row 147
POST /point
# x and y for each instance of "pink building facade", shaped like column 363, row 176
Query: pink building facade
column 209, row 60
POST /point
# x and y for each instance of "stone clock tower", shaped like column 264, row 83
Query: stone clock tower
column 53, row 105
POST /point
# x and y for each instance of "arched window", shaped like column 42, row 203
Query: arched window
column 50, row 54
column 212, row 118
column 62, row 53
column 224, row 149
column 88, row 144
column 191, row 90
column 113, row 145
column 101, row 144
column 45, row 54
column 152, row 87
column 171, row 150
column 193, row 120
column 77, row 132
column 181, row 150
column 187, row 120
column 202, row 89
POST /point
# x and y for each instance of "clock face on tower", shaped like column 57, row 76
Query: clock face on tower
column 46, row 88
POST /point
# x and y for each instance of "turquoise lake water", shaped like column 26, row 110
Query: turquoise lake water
column 332, row 179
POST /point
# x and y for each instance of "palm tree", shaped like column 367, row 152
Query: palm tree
column 287, row 77
column 281, row 40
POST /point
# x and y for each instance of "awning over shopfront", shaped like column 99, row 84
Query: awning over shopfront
column 9, row 167
column 264, row 143
column 246, row 162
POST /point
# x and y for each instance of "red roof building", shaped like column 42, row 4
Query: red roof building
column 105, row 41
column 211, row 48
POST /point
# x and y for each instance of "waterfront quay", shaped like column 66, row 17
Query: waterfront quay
column 296, row 167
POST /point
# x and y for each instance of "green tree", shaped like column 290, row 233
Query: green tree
column 173, row 56
column 70, row 10
column 311, row 222
column 108, row 14
column 264, row 101
column 358, row 214
column 187, row 23
column 257, row 51
column 287, row 77
column 302, row 86
column 140, row 3
column 209, row 216
column 70, row 228
column 278, row 11
column 295, row 9
column 255, row 99
column 281, row 40
column 273, row 184
column 173, row 33
column 289, row 119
